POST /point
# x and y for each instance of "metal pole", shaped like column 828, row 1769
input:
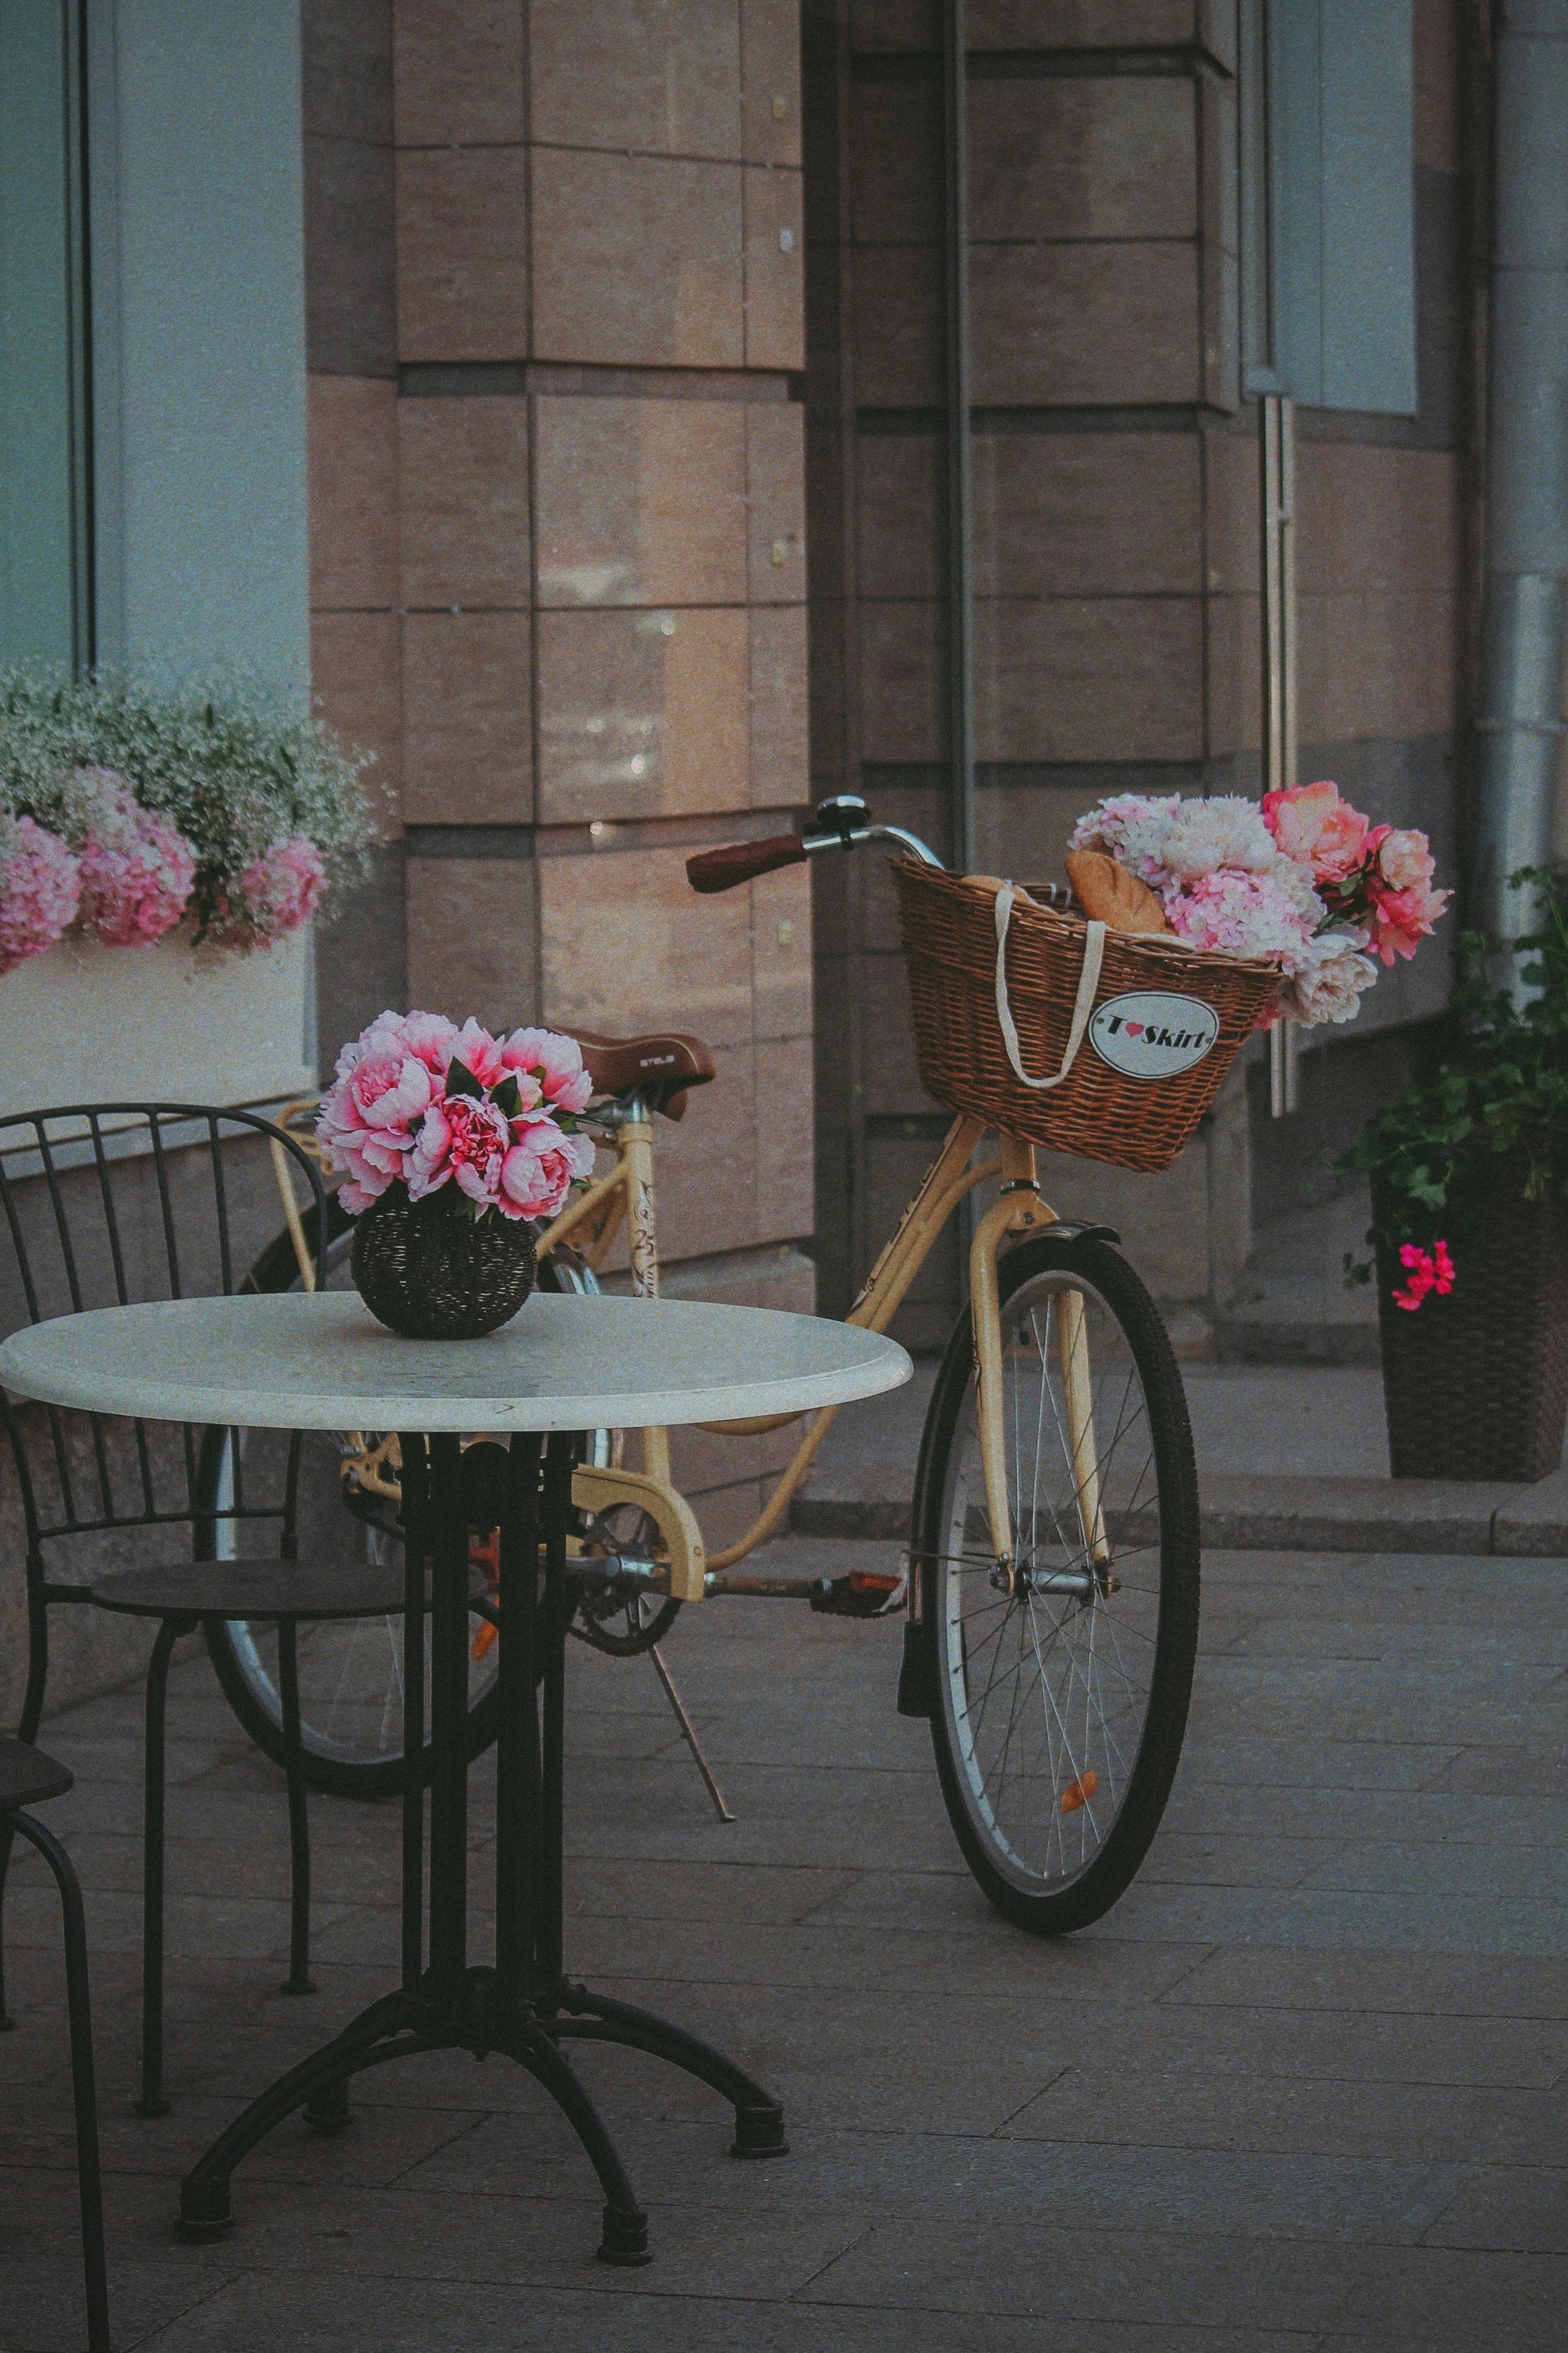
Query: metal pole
column 1525, row 594
column 1277, row 453
column 960, row 505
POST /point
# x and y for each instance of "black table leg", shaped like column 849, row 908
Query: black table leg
column 524, row 2006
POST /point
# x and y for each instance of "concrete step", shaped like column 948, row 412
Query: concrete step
column 1290, row 1459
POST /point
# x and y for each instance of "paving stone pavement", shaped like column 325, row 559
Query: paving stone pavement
column 1305, row 2090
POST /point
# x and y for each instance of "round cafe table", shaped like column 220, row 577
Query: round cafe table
column 564, row 1365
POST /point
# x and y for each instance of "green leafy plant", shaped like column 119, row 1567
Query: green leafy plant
column 235, row 769
column 1500, row 1088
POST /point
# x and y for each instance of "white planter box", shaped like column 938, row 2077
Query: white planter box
column 89, row 1024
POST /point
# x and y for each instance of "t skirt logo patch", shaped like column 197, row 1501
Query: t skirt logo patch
column 1148, row 1035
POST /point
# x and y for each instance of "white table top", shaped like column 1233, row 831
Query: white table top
column 323, row 1362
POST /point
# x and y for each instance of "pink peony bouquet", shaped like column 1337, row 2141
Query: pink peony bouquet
column 136, row 868
column 492, row 1122
column 40, row 890
column 1305, row 881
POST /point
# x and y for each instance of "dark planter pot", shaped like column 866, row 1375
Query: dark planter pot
column 1476, row 1385
column 430, row 1274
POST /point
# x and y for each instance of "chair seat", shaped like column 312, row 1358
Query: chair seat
column 27, row 1777
column 253, row 1588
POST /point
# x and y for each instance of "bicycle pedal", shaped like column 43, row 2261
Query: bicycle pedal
column 862, row 1594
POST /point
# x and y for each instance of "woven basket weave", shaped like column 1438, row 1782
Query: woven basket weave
column 431, row 1274
column 1475, row 1384
column 1099, row 1113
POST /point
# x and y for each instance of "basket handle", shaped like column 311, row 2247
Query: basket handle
column 1088, row 981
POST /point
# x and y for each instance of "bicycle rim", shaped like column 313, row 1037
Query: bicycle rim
column 1061, row 1686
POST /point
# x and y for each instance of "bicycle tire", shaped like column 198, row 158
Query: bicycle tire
column 335, row 1775
column 1012, row 1860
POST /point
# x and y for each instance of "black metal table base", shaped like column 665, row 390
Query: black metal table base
column 524, row 2007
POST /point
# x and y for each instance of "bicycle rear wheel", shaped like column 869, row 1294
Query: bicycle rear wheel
column 1058, row 1691
column 350, row 1670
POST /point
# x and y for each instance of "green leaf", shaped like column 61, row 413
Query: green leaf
column 460, row 1081
column 507, row 1098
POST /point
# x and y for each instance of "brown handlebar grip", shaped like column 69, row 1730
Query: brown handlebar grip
column 743, row 861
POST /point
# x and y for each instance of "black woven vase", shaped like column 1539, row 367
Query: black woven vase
column 1475, row 1384
column 429, row 1273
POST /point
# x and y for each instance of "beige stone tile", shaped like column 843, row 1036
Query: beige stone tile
column 654, row 77
column 473, row 938
column 1231, row 512
column 636, row 261
column 770, row 80
column 351, row 439
column 775, row 268
column 1376, row 518
column 1377, row 665
column 1088, row 679
column 781, row 953
column 785, row 1161
column 707, row 1167
column 776, row 502
column 641, row 715
column 1234, row 690
column 356, row 686
column 1086, row 513
column 897, row 312
column 464, row 467
column 780, row 708
column 467, row 714
column 1084, row 324
column 641, row 501
column 1070, row 157
column 459, row 70
column 462, row 254
column 900, row 481
column 628, row 946
column 903, row 687
column 891, row 1076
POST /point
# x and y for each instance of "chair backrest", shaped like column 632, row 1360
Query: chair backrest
column 104, row 1205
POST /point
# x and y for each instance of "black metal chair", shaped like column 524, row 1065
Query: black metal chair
column 27, row 1778
column 105, row 1204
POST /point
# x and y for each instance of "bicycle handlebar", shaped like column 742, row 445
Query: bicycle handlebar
column 844, row 820
column 743, row 861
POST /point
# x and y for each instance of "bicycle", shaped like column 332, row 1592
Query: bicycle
column 1053, row 1570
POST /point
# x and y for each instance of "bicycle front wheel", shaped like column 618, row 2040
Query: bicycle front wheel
column 1059, row 1681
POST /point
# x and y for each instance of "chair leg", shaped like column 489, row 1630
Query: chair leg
column 299, row 1977
column 151, row 2101
column 83, row 2088
column 31, row 1710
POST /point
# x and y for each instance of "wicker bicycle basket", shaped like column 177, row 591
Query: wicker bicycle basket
column 1137, row 1116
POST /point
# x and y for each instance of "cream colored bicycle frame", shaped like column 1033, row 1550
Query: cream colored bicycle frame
column 624, row 1195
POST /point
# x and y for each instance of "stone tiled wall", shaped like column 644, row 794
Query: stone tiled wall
column 1116, row 546
column 560, row 548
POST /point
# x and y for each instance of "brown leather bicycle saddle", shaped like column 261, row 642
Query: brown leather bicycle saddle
column 659, row 1067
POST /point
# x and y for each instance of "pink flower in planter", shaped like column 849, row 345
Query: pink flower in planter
column 137, row 868
column 463, row 1139
column 277, row 891
column 39, row 890
column 541, row 1168
column 1314, row 826
column 1428, row 1270
column 553, row 1064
